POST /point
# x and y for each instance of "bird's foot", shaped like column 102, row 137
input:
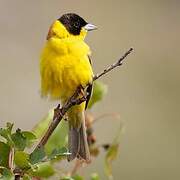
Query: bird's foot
column 65, row 117
column 57, row 112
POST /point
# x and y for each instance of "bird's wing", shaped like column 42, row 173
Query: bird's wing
column 89, row 88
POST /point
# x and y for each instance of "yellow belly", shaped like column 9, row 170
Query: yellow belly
column 64, row 66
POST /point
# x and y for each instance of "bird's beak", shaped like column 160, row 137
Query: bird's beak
column 90, row 27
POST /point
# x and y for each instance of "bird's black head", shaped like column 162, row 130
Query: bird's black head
column 73, row 23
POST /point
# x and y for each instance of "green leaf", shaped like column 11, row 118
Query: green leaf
column 27, row 177
column 112, row 152
column 42, row 126
column 59, row 137
column 67, row 178
column 37, row 155
column 95, row 176
column 19, row 140
column 6, row 133
column 99, row 90
column 4, row 154
column 43, row 170
column 22, row 139
column 58, row 153
column 5, row 174
column 77, row 177
column 21, row 159
column 9, row 127
column 110, row 156
column 30, row 137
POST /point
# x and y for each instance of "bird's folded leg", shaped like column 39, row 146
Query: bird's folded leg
column 82, row 92
column 65, row 117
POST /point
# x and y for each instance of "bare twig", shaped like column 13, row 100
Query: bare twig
column 75, row 100
column 111, row 67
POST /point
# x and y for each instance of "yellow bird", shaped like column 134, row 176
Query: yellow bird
column 64, row 66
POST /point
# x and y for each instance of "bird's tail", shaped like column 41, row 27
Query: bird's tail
column 77, row 142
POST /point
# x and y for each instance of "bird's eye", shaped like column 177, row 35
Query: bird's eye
column 76, row 24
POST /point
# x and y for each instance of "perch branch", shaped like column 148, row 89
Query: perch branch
column 59, row 112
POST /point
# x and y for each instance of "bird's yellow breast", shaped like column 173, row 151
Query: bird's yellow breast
column 64, row 66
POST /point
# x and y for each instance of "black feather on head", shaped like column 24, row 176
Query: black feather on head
column 73, row 23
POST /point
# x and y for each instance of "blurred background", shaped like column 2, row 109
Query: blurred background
column 145, row 91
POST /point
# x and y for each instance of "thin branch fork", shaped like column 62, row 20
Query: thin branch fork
column 111, row 67
column 59, row 112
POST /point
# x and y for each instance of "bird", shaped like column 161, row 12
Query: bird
column 65, row 65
